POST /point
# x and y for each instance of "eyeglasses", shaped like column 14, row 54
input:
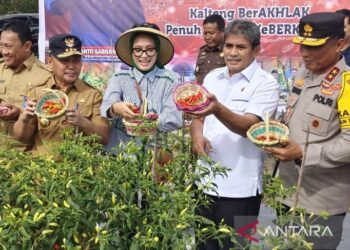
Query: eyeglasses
column 149, row 51
column 5, row 46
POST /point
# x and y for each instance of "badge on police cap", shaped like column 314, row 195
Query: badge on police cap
column 65, row 45
column 308, row 30
column 69, row 42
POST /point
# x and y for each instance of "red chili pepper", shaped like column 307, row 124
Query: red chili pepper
column 135, row 109
column 188, row 100
column 45, row 106
column 56, row 246
column 49, row 102
column 183, row 103
column 192, row 99
column 199, row 97
column 54, row 111
column 195, row 99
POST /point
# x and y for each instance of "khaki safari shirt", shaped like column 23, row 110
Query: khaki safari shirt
column 89, row 101
column 207, row 60
column 320, row 105
column 15, row 83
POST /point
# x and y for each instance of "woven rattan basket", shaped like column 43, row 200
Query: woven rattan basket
column 51, row 103
column 141, row 127
column 144, row 124
column 278, row 134
column 190, row 97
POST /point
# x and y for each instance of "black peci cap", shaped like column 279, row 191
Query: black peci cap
column 315, row 29
column 64, row 45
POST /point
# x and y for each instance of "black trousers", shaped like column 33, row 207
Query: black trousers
column 236, row 212
column 329, row 235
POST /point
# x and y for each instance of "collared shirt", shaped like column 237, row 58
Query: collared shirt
column 89, row 100
column 207, row 60
column 16, row 83
column 318, row 111
column 251, row 91
column 157, row 86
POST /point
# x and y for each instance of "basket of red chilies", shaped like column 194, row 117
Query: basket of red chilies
column 51, row 103
column 145, row 124
column 190, row 97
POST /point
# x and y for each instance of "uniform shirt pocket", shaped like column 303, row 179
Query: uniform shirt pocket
column 201, row 60
column 292, row 100
column 239, row 105
column 317, row 119
column 2, row 89
column 86, row 111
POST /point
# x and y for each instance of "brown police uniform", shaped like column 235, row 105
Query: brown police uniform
column 14, row 83
column 207, row 60
column 89, row 100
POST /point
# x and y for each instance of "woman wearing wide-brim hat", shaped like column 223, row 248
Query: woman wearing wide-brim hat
column 146, row 50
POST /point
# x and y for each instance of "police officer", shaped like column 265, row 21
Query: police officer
column 318, row 116
column 19, row 71
column 210, row 55
column 65, row 58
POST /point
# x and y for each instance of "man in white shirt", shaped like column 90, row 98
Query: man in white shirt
column 241, row 94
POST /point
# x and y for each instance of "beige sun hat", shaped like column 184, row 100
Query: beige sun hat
column 122, row 46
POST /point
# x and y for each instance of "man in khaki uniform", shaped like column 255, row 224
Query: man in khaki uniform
column 318, row 109
column 83, row 111
column 19, row 71
column 210, row 55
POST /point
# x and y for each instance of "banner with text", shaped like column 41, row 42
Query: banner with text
column 99, row 23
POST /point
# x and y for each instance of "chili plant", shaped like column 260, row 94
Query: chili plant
column 82, row 198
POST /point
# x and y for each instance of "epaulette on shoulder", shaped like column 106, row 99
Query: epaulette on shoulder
column 122, row 73
column 167, row 74
column 44, row 66
column 97, row 88
column 202, row 47
column 39, row 84
column 166, row 77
